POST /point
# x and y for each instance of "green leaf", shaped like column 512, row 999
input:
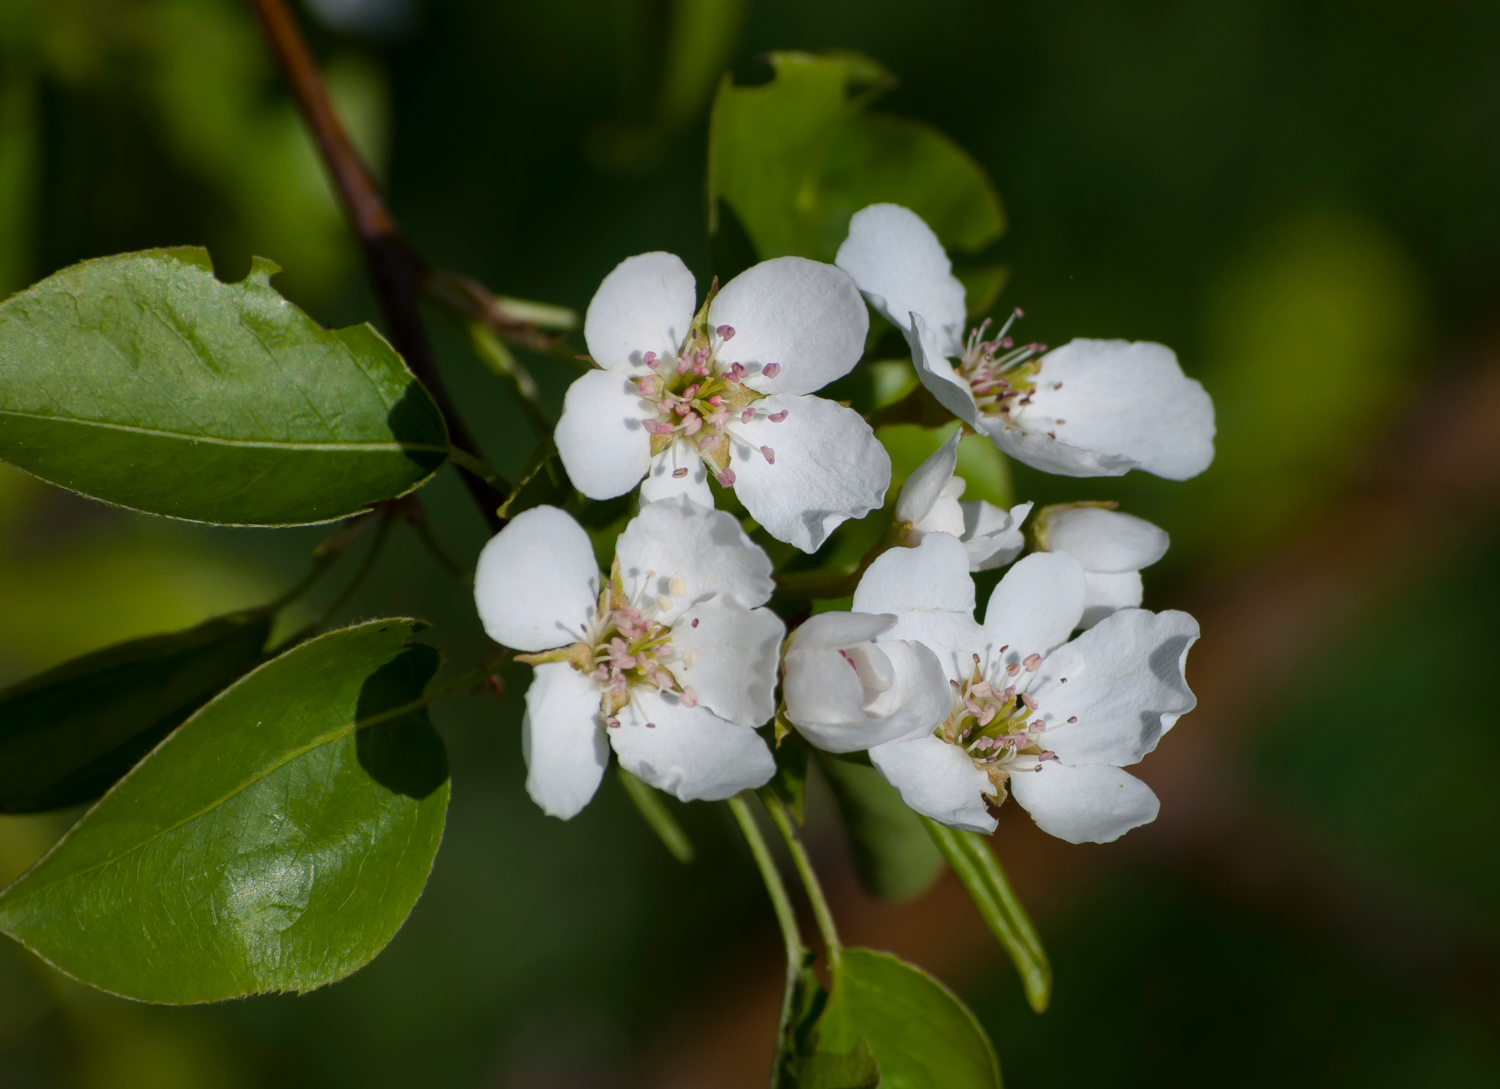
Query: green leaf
column 143, row 381
column 67, row 734
column 893, row 854
column 855, row 1069
column 922, row 1036
column 979, row 872
column 796, row 157
column 275, row 842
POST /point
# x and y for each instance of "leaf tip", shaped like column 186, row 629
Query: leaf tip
column 261, row 271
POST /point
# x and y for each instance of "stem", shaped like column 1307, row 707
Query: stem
column 424, row 534
column 468, row 463
column 394, row 269
column 796, row 952
column 492, row 351
column 784, row 824
column 649, row 804
column 515, row 320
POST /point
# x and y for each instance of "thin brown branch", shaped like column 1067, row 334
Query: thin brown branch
column 395, row 271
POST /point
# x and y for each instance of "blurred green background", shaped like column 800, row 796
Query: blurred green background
column 1298, row 195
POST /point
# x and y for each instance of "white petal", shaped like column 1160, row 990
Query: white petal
column 937, row 780
column 600, row 439
column 1125, row 686
column 689, row 751
column 537, row 581
column 928, row 356
column 829, row 468
column 993, row 536
column 804, row 315
column 929, row 590
column 661, row 483
column 645, row 305
column 1105, row 594
column 1094, row 804
column 1036, row 606
column 900, row 265
column 827, row 700
column 1107, row 541
column 705, row 549
column 927, row 482
column 734, row 652
column 562, row 740
column 1127, row 404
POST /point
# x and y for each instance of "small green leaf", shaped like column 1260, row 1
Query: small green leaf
column 275, row 842
column 922, row 1036
column 796, row 157
column 143, row 381
column 67, row 734
column 893, row 854
column 648, row 802
column 855, row 1069
column 979, row 872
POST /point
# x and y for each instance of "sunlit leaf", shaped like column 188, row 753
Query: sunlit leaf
column 893, row 854
column 143, row 381
column 796, row 157
column 69, row 733
column 275, row 842
column 920, row 1033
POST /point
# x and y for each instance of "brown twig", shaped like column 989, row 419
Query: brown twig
column 396, row 272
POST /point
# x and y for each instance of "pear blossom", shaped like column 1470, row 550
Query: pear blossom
column 671, row 660
column 726, row 391
column 1110, row 545
column 1089, row 408
column 845, row 693
column 929, row 503
column 1052, row 720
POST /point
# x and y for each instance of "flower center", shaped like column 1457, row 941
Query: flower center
column 1000, row 375
column 697, row 399
column 995, row 724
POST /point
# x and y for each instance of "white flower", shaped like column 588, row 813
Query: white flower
column 929, row 503
column 726, row 391
column 1089, row 408
column 1110, row 545
column 845, row 694
column 1055, row 721
column 672, row 660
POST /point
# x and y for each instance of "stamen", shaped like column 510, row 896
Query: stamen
column 725, row 479
column 769, row 454
column 1031, row 662
column 770, row 370
column 1073, row 719
column 650, row 360
column 689, row 697
column 676, row 587
column 678, row 474
column 776, row 417
column 747, row 415
column 726, row 332
column 1028, row 701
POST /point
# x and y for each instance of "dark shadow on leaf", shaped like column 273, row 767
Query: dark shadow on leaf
column 416, row 419
column 404, row 754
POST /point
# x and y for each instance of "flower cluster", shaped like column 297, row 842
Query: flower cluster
column 673, row 658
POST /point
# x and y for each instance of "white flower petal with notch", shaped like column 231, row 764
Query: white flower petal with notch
column 938, row 781
column 646, row 304
column 537, row 581
column 1094, row 803
column 599, row 436
column 728, row 656
column 689, row 752
column 562, row 740
column 900, row 265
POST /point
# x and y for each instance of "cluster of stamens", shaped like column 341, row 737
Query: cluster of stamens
column 698, row 399
column 1001, row 376
column 993, row 722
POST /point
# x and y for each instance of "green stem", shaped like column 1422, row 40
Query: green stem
column 649, row 804
column 492, row 351
column 782, row 818
column 980, row 874
column 469, row 463
column 424, row 534
column 796, row 952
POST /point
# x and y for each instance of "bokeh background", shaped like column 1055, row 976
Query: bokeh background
column 1300, row 196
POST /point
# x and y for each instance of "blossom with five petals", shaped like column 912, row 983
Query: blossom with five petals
column 1089, row 408
column 1055, row 721
column 929, row 503
column 727, row 392
column 671, row 660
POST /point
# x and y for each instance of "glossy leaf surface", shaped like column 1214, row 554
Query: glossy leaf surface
column 795, row 158
column 144, row 381
column 893, row 854
column 275, row 842
column 921, row 1035
column 67, row 734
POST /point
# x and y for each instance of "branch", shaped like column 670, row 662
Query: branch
column 396, row 272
